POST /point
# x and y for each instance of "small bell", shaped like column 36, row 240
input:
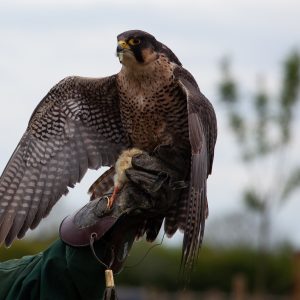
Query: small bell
column 110, row 292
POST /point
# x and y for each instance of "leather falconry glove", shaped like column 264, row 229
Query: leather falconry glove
column 155, row 181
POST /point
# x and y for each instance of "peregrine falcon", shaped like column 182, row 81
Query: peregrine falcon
column 87, row 122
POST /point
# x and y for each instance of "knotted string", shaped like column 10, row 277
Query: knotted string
column 109, row 292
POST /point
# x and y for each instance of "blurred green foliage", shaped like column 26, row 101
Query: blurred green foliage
column 289, row 94
column 263, row 126
column 216, row 268
column 254, row 121
column 25, row 247
column 253, row 200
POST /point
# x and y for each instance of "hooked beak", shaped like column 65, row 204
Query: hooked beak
column 122, row 45
column 119, row 49
column 120, row 53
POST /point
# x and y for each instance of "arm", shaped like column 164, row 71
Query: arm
column 60, row 272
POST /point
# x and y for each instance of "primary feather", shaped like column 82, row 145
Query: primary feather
column 75, row 127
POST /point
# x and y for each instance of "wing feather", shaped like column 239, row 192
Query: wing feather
column 202, row 135
column 75, row 127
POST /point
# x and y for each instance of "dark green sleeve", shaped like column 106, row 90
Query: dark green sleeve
column 60, row 272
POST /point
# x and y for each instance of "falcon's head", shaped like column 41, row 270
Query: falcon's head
column 139, row 47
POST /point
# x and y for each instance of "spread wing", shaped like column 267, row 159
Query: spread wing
column 75, row 127
column 202, row 133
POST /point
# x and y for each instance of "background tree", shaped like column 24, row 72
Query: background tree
column 264, row 130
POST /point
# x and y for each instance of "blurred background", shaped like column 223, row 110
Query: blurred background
column 245, row 56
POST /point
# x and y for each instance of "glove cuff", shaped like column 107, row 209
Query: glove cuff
column 76, row 229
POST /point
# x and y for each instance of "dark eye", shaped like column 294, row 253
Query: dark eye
column 134, row 42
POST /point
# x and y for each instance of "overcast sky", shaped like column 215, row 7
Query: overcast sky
column 44, row 41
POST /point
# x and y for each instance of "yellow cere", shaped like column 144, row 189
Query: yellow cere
column 123, row 44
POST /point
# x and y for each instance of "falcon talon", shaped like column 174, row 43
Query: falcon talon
column 102, row 209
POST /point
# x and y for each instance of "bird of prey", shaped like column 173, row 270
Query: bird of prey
column 87, row 122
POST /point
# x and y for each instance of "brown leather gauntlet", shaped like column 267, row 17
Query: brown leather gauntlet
column 153, row 183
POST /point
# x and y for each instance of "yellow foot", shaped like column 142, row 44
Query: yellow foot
column 113, row 197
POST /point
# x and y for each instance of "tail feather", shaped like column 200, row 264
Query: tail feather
column 152, row 228
column 176, row 217
column 196, row 213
